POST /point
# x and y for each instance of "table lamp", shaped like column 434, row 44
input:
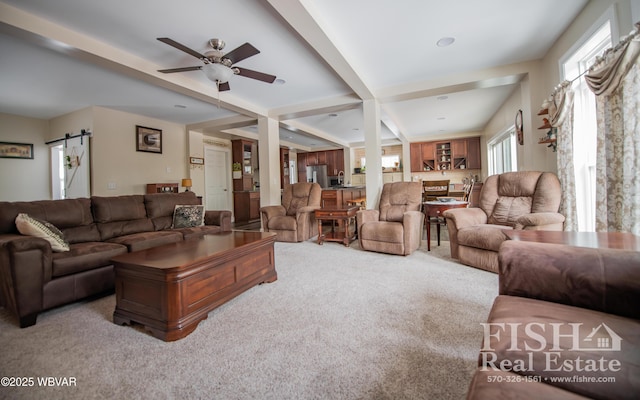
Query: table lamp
column 187, row 184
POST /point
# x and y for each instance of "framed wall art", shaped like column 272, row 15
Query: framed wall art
column 148, row 139
column 16, row 150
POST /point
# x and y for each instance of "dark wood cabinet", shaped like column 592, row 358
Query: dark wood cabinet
column 242, row 153
column 246, row 206
column 453, row 154
column 162, row 188
column 473, row 153
column 284, row 167
column 333, row 159
column 302, row 167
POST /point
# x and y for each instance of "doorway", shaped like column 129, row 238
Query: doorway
column 217, row 177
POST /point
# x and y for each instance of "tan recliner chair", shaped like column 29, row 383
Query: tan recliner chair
column 396, row 227
column 513, row 200
column 294, row 220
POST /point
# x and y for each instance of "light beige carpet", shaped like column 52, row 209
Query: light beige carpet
column 339, row 323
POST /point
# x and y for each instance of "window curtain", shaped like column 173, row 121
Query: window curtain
column 615, row 80
column 560, row 106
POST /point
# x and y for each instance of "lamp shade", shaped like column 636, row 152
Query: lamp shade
column 186, row 183
column 217, row 72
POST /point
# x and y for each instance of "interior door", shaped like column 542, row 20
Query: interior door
column 217, row 179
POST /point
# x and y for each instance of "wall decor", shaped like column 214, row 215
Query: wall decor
column 148, row 139
column 519, row 129
column 16, row 150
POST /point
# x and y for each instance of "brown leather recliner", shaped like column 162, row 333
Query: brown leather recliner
column 513, row 200
column 294, row 220
column 396, row 227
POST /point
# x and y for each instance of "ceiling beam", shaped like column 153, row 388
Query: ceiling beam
column 298, row 127
column 299, row 17
column 236, row 121
column 325, row 106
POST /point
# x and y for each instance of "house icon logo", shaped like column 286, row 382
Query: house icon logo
column 601, row 338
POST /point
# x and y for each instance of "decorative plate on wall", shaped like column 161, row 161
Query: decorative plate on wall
column 519, row 132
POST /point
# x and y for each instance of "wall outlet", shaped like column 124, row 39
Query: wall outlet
column 111, row 186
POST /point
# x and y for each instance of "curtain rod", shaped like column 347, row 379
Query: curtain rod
column 68, row 136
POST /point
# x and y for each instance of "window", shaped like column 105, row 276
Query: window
column 57, row 172
column 387, row 161
column 585, row 125
column 502, row 152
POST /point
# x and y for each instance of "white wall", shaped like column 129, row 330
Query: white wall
column 23, row 179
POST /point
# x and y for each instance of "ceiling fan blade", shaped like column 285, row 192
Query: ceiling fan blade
column 182, row 47
column 222, row 87
column 242, row 52
column 261, row 76
column 183, row 69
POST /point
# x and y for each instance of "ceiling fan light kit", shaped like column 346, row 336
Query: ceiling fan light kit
column 218, row 66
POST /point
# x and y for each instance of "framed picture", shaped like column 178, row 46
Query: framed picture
column 196, row 160
column 148, row 139
column 16, row 150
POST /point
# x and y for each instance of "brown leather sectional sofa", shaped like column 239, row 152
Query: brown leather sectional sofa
column 566, row 325
column 33, row 278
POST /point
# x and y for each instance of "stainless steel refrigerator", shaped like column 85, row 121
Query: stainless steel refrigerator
column 318, row 174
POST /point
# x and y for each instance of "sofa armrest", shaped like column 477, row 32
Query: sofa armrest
column 463, row 217
column 269, row 212
column 412, row 223
column 25, row 267
column 537, row 220
column 221, row 218
column 605, row 280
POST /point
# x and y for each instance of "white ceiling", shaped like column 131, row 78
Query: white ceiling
column 64, row 55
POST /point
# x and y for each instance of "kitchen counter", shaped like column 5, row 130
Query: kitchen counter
column 338, row 196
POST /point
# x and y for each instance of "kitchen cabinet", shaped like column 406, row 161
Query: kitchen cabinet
column 389, row 177
column 302, row 167
column 456, row 154
column 339, row 197
column 358, row 179
column 333, row 159
column 246, row 206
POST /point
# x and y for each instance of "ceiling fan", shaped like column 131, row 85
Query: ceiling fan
column 218, row 66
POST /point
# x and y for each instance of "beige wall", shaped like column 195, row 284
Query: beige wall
column 116, row 161
column 24, row 179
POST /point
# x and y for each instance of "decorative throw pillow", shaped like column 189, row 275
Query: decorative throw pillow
column 30, row 226
column 188, row 216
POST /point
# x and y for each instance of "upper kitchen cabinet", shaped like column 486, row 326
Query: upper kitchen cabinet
column 333, row 159
column 453, row 154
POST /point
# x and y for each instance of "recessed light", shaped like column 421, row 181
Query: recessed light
column 279, row 81
column 442, row 97
column 356, row 129
column 180, row 106
column 441, row 118
column 445, row 41
column 333, row 115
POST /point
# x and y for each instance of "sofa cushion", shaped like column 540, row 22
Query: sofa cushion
column 160, row 207
column 486, row 237
column 34, row 227
column 84, row 257
column 282, row 223
column 507, row 210
column 382, row 231
column 146, row 240
column 120, row 215
column 72, row 216
column 597, row 337
column 188, row 216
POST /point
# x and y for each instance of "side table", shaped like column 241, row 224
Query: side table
column 336, row 214
column 434, row 209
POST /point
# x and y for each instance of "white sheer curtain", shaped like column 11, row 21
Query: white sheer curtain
column 615, row 79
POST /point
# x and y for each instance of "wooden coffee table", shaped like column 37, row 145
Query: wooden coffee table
column 610, row 240
column 171, row 288
column 343, row 216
